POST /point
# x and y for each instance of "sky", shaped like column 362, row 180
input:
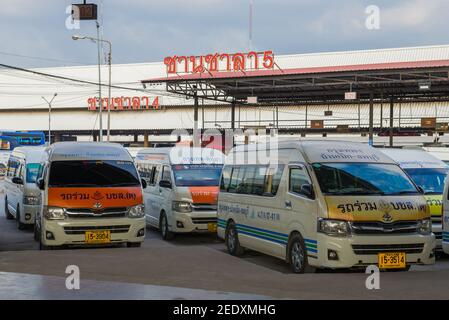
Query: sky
column 35, row 33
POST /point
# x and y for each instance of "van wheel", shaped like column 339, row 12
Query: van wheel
column 232, row 240
column 8, row 214
column 165, row 232
column 36, row 231
column 297, row 254
column 20, row 225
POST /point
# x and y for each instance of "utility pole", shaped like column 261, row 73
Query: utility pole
column 49, row 116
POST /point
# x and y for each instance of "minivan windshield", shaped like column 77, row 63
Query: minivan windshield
column 192, row 175
column 32, row 172
column 430, row 179
column 363, row 179
column 110, row 173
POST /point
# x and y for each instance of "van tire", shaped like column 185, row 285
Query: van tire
column 8, row 214
column 297, row 254
column 36, row 232
column 163, row 226
column 20, row 225
column 232, row 240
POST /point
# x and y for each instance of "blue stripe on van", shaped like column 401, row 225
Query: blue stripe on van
column 262, row 237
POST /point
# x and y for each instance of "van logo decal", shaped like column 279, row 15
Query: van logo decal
column 97, row 195
column 385, row 207
column 387, row 217
column 97, row 206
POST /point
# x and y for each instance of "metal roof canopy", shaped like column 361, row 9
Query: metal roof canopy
column 320, row 84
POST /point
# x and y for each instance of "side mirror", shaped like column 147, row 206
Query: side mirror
column 40, row 184
column 17, row 180
column 165, row 184
column 144, row 183
column 307, row 190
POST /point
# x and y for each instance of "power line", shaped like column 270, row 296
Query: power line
column 39, row 58
column 52, row 76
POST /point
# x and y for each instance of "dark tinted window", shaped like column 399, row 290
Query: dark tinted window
column 93, row 174
column 252, row 179
column 197, row 174
column 430, row 179
column 32, row 172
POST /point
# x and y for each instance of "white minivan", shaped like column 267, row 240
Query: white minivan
column 91, row 196
column 324, row 204
column 429, row 173
column 22, row 197
column 182, row 188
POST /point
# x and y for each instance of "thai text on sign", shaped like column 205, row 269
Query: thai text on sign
column 125, row 103
column 220, row 62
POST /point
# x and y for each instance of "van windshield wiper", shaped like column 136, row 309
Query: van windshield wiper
column 403, row 192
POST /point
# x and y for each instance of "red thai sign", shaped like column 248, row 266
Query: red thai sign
column 220, row 62
column 125, row 103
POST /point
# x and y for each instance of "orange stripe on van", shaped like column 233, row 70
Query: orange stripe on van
column 97, row 198
column 207, row 195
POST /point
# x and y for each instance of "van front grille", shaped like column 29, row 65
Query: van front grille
column 374, row 227
column 204, row 220
column 105, row 213
column 83, row 229
column 204, row 207
column 371, row 249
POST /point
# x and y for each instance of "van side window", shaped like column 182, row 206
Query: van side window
column 166, row 174
column 246, row 184
column 226, row 178
column 252, row 179
column 298, row 178
column 236, row 178
column 12, row 167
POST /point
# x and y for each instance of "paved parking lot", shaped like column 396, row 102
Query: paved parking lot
column 190, row 266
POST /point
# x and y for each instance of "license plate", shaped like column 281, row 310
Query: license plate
column 392, row 260
column 103, row 236
column 212, row 227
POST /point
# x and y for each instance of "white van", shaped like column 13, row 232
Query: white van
column 182, row 188
column 91, row 195
column 4, row 157
column 22, row 197
column 325, row 204
column 429, row 173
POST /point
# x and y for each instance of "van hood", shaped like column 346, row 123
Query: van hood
column 95, row 198
column 377, row 208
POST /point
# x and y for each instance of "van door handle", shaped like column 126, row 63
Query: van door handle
column 288, row 204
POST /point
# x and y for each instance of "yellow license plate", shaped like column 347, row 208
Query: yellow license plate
column 392, row 260
column 212, row 227
column 103, row 236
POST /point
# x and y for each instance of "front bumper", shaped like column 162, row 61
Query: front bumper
column 201, row 222
column 438, row 231
column 72, row 231
column 358, row 251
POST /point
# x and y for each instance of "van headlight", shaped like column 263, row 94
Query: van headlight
column 425, row 226
column 31, row 200
column 334, row 227
column 136, row 211
column 54, row 213
column 182, row 206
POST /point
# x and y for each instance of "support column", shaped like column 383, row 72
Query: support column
column 146, row 142
column 196, row 136
column 136, row 137
column 371, row 115
column 233, row 115
column 391, row 120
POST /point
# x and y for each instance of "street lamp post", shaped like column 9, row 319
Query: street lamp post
column 49, row 116
column 98, row 40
